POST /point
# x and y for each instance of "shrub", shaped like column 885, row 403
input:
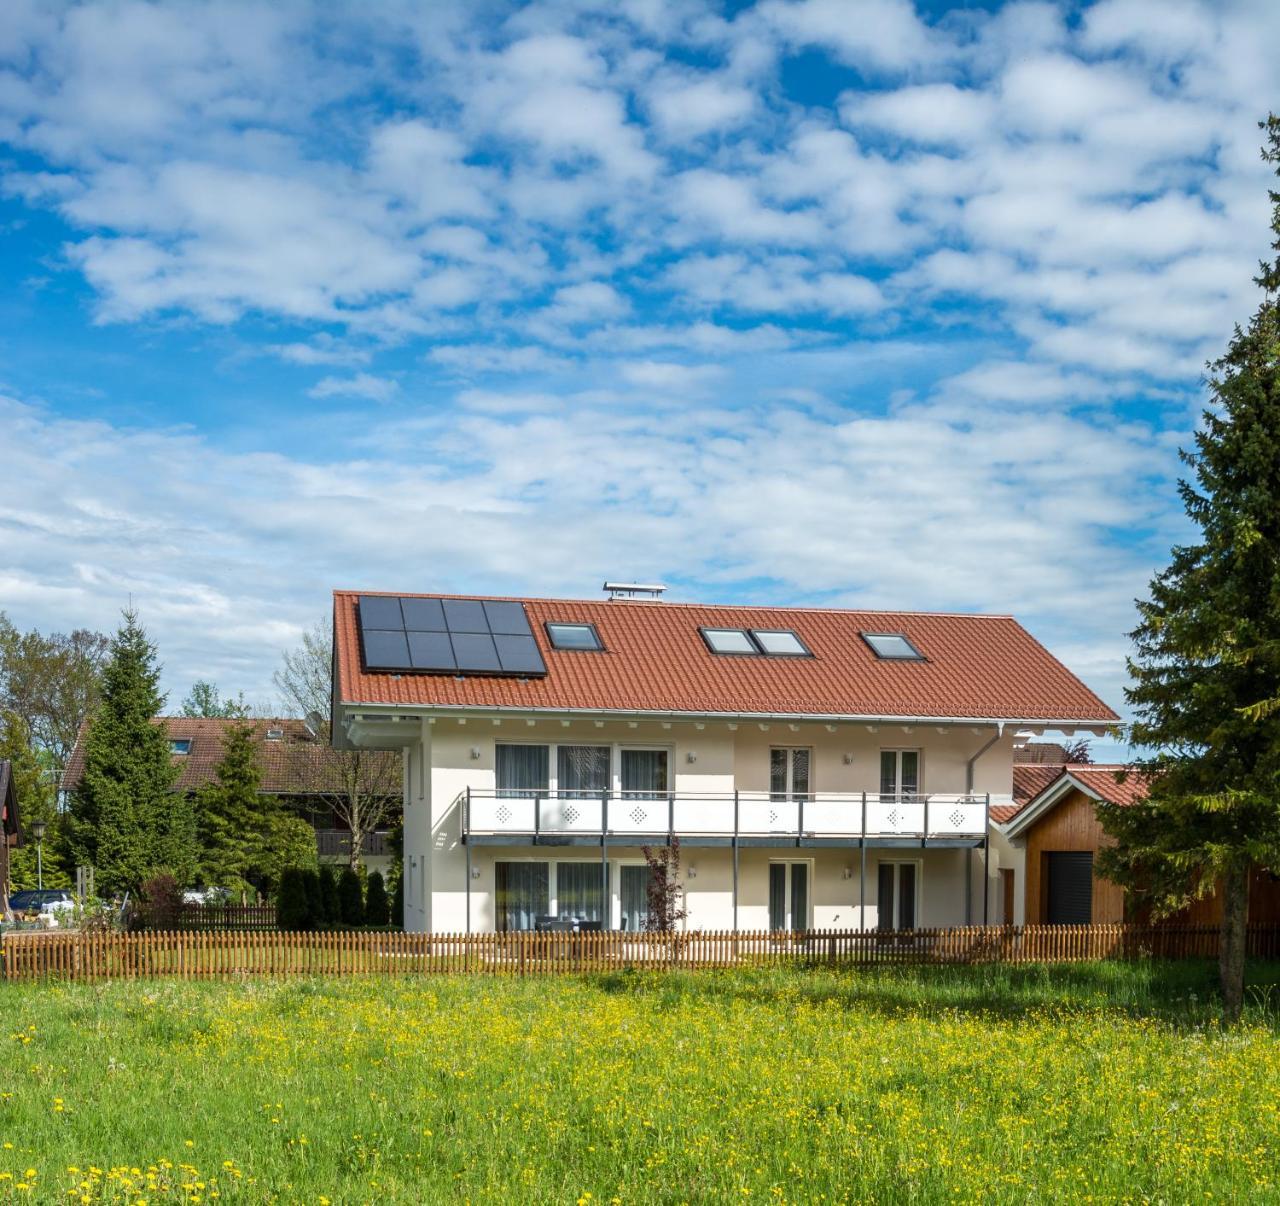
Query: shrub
column 350, row 898
column 328, row 895
column 293, row 906
column 315, row 901
column 397, row 901
column 377, row 910
column 162, row 901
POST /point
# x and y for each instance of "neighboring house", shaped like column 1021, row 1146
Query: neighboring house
column 299, row 769
column 1054, row 824
column 10, row 833
column 821, row 768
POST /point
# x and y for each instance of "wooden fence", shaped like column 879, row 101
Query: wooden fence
column 211, row 954
column 205, row 917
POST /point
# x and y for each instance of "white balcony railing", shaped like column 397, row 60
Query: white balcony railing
column 741, row 814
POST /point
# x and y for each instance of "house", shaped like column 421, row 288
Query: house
column 1054, row 824
column 820, row 767
column 10, row 833
column 304, row 772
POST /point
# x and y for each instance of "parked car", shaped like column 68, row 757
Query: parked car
column 206, row 896
column 50, row 901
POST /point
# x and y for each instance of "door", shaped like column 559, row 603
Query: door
column 896, row 909
column 522, row 894
column 1068, row 880
column 634, row 891
column 788, row 773
column 1006, row 889
column 582, row 770
column 788, row 896
column 580, row 891
column 644, row 774
column 899, row 774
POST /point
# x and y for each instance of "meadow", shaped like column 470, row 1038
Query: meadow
column 1103, row 1082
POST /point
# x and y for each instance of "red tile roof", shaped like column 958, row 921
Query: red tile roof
column 1031, row 779
column 1040, row 752
column 655, row 660
column 1105, row 782
column 1030, row 782
column 294, row 765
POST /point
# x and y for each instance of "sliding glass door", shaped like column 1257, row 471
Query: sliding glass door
column 896, row 909
column 580, row 891
column 523, row 894
column 788, row 896
column 644, row 774
column 582, row 770
column 634, row 891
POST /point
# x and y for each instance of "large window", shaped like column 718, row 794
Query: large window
column 788, row 896
column 896, row 909
column 634, row 894
column 900, row 773
column 579, row 891
column 521, row 769
column 644, row 774
column 788, row 774
column 523, row 894
column 582, row 770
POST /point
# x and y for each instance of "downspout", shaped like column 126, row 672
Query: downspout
column 968, row 854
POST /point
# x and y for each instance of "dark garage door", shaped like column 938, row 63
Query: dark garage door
column 1069, row 878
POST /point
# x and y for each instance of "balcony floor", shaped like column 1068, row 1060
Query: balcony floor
column 780, row 841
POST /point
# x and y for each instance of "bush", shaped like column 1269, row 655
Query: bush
column 350, row 898
column 293, row 904
column 328, row 895
column 397, row 901
column 162, row 901
column 315, row 901
column 377, row 909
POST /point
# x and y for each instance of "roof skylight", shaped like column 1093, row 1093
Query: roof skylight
column 574, row 636
column 780, row 642
column 892, row 646
column 729, row 640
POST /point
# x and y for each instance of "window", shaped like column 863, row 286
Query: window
column 579, row 891
column 180, row 746
column 728, row 640
column 574, row 636
column 275, row 734
column 788, row 896
column 771, row 642
column 521, row 769
column 644, row 774
column 788, row 774
column 522, row 894
column 582, row 770
column 899, row 773
column 892, row 646
column 634, row 896
column 896, row 907
column 780, row 642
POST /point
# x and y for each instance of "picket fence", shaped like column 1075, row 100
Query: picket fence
column 218, row 954
column 205, row 917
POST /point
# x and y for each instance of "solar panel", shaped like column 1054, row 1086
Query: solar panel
column 519, row 654
column 431, row 651
column 475, row 651
column 380, row 611
column 423, row 615
column 465, row 615
column 447, row 636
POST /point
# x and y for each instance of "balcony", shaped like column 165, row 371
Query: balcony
column 336, row 843
column 740, row 818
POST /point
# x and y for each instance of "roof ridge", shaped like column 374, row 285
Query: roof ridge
column 691, row 604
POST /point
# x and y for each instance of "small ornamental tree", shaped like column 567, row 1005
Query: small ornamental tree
column 350, row 898
column 293, row 906
column 1206, row 667
column 665, row 895
column 329, row 911
column 377, row 909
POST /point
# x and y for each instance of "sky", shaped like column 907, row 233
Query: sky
column 819, row 302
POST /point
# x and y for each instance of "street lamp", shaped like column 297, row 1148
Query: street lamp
column 37, row 832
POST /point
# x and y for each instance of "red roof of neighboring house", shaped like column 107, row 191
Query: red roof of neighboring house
column 1105, row 783
column 1111, row 783
column 296, row 764
column 1030, row 779
column 655, row 660
column 1034, row 753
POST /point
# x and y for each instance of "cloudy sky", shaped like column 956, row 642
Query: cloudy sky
column 844, row 302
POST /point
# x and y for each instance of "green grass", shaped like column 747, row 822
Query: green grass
column 931, row 1084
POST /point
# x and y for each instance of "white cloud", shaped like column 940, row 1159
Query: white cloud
column 773, row 285
column 687, row 108
column 361, row 385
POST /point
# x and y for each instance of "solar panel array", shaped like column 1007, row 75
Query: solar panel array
column 447, row 636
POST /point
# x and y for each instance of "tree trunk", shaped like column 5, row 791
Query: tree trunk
column 357, row 844
column 1235, row 917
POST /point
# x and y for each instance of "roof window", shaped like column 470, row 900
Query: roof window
column 574, row 636
column 275, row 734
column 892, row 647
column 729, row 640
column 780, row 642
column 180, row 745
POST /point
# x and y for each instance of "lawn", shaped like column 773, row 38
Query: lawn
column 779, row 1086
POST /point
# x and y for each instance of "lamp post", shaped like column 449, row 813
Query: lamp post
column 37, row 832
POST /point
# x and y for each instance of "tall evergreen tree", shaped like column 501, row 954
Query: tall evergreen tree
column 1206, row 668
column 229, row 810
column 126, row 821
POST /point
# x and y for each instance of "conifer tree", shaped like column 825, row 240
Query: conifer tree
column 328, row 894
column 350, row 897
column 1205, row 673
column 126, row 821
column 230, row 813
column 32, row 783
column 377, row 909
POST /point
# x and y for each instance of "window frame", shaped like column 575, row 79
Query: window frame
column 803, row 651
column 175, row 742
column 789, row 794
column 897, row 793
column 598, row 647
column 788, row 891
column 914, row 656
column 918, row 905
column 705, row 631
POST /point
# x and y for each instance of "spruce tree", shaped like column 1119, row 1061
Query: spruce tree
column 126, row 821
column 330, row 912
column 1205, row 672
column 350, row 897
column 230, row 813
column 293, row 906
column 377, row 909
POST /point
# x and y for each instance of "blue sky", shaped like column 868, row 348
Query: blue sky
column 797, row 301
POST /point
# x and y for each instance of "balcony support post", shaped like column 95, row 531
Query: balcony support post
column 671, row 817
column 862, row 870
column 735, row 860
column 537, row 815
column 986, row 858
column 606, row 905
column 924, row 837
column 468, row 874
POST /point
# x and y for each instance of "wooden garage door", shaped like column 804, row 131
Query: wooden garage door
column 1068, row 887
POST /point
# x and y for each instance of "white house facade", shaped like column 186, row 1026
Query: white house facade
column 816, row 768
